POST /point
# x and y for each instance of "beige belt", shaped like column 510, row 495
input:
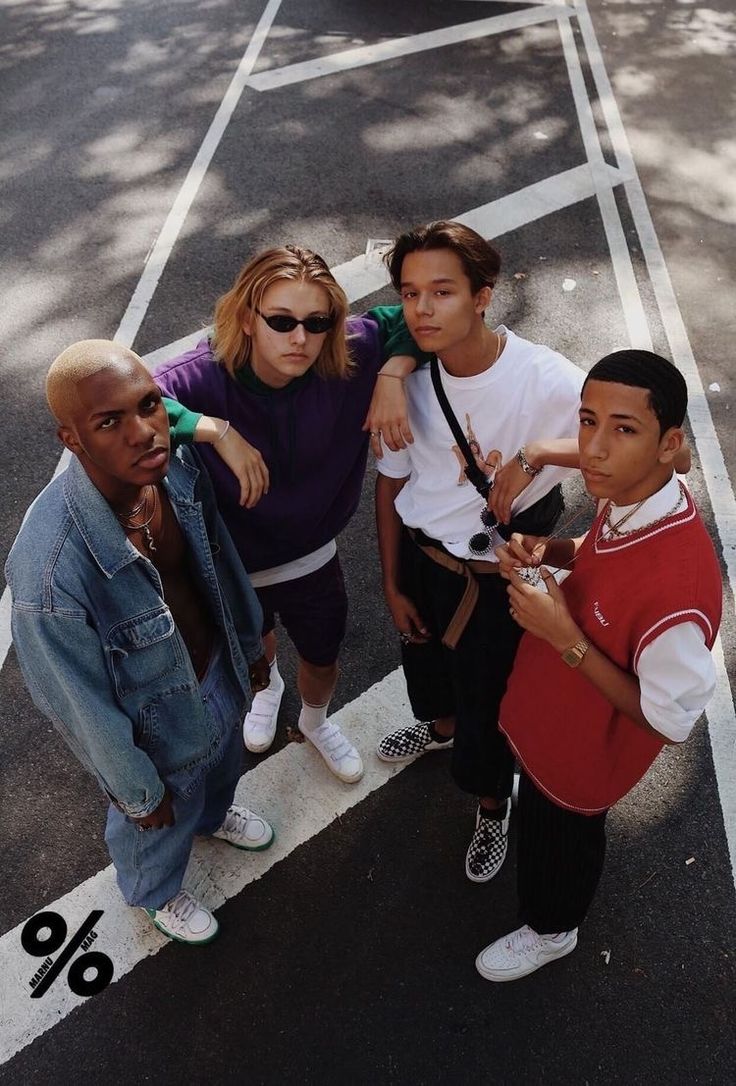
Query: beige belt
column 464, row 568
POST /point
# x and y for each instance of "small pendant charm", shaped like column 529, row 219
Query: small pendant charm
column 148, row 539
column 531, row 575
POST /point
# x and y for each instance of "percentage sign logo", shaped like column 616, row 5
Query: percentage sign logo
column 37, row 947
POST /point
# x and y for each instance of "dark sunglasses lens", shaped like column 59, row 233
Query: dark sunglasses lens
column 480, row 543
column 318, row 324
column 279, row 322
column 488, row 518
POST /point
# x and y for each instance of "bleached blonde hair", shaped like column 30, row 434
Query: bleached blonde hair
column 75, row 363
column 231, row 344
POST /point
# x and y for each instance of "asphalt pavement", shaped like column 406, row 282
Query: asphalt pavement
column 351, row 958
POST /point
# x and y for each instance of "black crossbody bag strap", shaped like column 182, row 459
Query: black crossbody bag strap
column 539, row 518
column 473, row 473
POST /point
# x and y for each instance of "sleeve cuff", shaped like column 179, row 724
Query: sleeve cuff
column 182, row 422
column 140, row 810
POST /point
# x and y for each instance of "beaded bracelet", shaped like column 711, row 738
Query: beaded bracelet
column 525, row 465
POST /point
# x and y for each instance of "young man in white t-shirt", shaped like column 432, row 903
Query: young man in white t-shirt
column 445, row 596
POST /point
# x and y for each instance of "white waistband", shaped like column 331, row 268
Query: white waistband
column 300, row 567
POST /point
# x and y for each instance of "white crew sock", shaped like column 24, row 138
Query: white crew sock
column 277, row 683
column 312, row 716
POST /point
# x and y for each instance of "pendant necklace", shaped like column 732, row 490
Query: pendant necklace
column 144, row 528
column 532, row 575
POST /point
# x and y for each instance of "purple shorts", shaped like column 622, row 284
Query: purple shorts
column 313, row 611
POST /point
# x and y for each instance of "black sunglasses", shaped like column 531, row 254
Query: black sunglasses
column 279, row 322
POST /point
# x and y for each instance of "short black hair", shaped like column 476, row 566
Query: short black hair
column 644, row 369
column 480, row 260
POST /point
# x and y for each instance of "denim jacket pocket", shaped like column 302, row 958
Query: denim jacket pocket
column 146, row 732
column 143, row 650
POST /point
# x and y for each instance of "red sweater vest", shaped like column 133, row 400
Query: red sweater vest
column 623, row 593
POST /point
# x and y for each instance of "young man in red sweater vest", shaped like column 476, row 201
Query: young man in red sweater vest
column 622, row 651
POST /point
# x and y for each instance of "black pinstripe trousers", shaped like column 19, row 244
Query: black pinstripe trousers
column 560, row 856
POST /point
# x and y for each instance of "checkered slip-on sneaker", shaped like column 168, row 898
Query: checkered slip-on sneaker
column 406, row 743
column 488, row 845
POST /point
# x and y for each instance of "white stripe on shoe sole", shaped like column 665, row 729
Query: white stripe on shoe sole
column 308, row 798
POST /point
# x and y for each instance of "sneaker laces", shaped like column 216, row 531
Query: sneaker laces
column 524, row 939
column 329, row 738
column 182, row 906
column 235, row 821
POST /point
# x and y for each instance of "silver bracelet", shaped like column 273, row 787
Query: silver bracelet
column 221, row 436
column 525, row 465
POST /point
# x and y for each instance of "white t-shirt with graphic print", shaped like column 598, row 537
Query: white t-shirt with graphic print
column 530, row 393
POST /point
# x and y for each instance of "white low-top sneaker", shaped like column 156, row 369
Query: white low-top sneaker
column 259, row 726
column 523, row 952
column 184, row 919
column 339, row 754
column 243, row 829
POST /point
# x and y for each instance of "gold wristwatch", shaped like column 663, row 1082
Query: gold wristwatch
column 574, row 655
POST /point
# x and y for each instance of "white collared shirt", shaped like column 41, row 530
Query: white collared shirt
column 676, row 672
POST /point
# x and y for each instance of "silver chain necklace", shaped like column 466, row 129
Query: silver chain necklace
column 144, row 527
column 614, row 530
column 532, row 575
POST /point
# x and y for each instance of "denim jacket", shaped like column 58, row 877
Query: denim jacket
column 97, row 644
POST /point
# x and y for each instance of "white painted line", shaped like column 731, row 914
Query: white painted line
column 172, row 350
column 159, row 255
column 722, row 734
column 535, row 201
column 402, row 47
column 538, row 3
column 709, row 449
column 365, row 274
column 721, row 715
column 633, row 310
column 293, row 789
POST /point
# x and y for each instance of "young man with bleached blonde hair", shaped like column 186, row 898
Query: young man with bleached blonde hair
column 138, row 644
column 295, row 377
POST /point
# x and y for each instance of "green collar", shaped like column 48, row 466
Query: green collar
column 247, row 378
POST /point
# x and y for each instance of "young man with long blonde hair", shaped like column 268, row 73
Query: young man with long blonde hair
column 294, row 375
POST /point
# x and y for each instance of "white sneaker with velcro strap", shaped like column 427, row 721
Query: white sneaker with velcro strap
column 339, row 754
column 259, row 726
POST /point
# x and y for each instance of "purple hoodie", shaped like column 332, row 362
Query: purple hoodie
column 309, row 434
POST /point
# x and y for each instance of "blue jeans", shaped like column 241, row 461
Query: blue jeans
column 150, row 866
